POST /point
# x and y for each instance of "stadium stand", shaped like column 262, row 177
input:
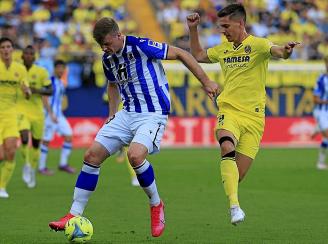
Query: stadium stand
column 62, row 29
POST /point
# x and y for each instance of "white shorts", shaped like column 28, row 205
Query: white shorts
column 62, row 127
column 321, row 119
column 126, row 127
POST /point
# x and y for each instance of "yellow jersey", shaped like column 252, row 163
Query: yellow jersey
column 38, row 77
column 245, row 71
column 11, row 80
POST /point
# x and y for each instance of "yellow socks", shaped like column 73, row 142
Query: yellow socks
column 6, row 173
column 230, row 178
column 25, row 153
column 35, row 156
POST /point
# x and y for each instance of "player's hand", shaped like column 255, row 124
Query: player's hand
column 193, row 20
column 27, row 91
column 289, row 47
column 212, row 89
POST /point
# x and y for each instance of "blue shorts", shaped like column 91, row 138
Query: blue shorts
column 126, row 127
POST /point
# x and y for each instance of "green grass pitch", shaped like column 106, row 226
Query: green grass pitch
column 285, row 199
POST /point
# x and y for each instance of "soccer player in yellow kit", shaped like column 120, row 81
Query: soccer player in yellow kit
column 13, row 77
column 244, row 63
column 31, row 115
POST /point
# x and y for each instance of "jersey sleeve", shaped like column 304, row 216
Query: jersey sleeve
column 153, row 49
column 265, row 47
column 318, row 88
column 108, row 73
column 213, row 54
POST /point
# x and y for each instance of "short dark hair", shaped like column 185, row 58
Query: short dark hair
column 59, row 62
column 103, row 27
column 234, row 10
column 28, row 47
column 6, row 39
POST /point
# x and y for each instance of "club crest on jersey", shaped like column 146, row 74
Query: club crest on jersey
column 131, row 57
column 248, row 49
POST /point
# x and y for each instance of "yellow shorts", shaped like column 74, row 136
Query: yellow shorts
column 246, row 128
column 8, row 127
column 33, row 124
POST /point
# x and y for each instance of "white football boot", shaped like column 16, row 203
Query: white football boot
column 26, row 173
column 237, row 215
column 3, row 193
column 32, row 182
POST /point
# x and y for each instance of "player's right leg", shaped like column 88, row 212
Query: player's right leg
column 24, row 136
column 106, row 143
column 48, row 134
column 86, row 183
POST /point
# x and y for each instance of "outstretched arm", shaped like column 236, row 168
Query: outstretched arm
column 283, row 51
column 196, row 49
column 211, row 87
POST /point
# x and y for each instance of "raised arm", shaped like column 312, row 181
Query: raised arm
column 283, row 51
column 196, row 49
column 189, row 61
column 113, row 99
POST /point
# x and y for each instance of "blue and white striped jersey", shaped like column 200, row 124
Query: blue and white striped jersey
column 55, row 100
column 138, row 71
column 321, row 90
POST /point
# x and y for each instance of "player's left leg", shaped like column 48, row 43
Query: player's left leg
column 64, row 156
column 25, row 152
column 321, row 163
column 7, row 170
column 146, row 141
column 65, row 129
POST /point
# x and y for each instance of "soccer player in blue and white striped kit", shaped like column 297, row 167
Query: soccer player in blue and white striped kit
column 134, row 70
column 56, row 122
column 320, row 113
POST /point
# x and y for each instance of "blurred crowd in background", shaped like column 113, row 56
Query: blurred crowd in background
column 63, row 28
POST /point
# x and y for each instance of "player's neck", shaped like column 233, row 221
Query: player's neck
column 28, row 66
column 7, row 62
column 241, row 38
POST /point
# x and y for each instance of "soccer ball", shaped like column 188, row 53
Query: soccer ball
column 78, row 229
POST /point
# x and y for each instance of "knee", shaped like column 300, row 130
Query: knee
column 10, row 153
column 68, row 138
column 135, row 158
column 226, row 144
column 91, row 157
column 35, row 143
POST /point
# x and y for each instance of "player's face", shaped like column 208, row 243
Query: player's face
column 6, row 50
column 60, row 70
column 112, row 43
column 231, row 28
column 28, row 56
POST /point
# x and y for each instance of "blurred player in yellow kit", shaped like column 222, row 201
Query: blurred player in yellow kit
column 31, row 114
column 244, row 63
column 13, row 78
